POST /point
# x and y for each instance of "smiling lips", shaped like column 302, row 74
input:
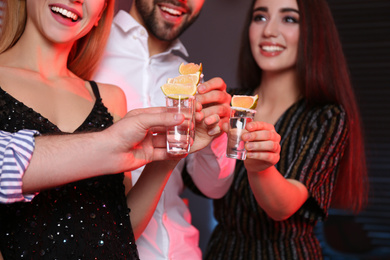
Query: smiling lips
column 65, row 13
column 173, row 10
column 271, row 50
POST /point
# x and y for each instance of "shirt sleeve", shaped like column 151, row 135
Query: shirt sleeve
column 16, row 150
column 317, row 162
column 210, row 170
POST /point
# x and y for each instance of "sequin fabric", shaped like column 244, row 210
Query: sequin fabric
column 88, row 219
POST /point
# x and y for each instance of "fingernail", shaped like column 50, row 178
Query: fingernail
column 246, row 136
column 212, row 132
column 201, row 88
column 177, row 117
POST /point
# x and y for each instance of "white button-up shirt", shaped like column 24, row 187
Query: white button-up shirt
column 126, row 63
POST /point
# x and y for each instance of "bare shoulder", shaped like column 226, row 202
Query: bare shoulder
column 114, row 99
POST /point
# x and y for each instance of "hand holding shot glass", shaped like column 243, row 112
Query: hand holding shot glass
column 241, row 113
column 239, row 117
column 179, row 93
column 179, row 137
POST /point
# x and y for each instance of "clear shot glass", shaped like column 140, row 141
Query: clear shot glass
column 179, row 137
column 239, row 117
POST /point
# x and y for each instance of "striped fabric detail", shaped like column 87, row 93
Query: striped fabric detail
column 312, row 144
column 15, row 153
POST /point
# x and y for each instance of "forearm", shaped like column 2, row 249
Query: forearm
column 62, row 159
column 144, row 196
column 277, row 196
column 210, row 169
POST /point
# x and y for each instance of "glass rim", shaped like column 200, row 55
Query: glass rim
column 243, row 109
column 177, row 96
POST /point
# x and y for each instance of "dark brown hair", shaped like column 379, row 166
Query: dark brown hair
column 324, row 78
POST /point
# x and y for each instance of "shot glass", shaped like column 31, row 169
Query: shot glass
column 179, row 137
column 239, row 117
column 192, row 130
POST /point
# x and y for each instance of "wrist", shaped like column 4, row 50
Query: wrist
column 266, row 171
column 105, row 151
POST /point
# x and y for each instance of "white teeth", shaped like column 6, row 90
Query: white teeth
column 272, row 48
column 170, row 10
column 65, row 13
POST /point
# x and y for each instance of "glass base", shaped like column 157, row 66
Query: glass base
column 239, row 155
column 178, row 150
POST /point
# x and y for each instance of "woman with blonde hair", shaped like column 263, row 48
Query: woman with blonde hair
column 85, row 53
column 48, row 52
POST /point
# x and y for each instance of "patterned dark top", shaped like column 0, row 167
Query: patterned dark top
column 88, row 219
column 312, row 144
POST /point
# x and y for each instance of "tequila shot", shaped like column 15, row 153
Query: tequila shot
column 179, row 137
column 239, row 117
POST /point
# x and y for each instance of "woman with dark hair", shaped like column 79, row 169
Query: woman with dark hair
column 291, row 56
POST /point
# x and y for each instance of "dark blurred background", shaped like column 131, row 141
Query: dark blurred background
column 364, row 27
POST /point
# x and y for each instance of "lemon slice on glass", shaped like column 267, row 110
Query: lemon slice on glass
column 185, row 79
column 190, row 68
column 175, row 89
column 243, row 101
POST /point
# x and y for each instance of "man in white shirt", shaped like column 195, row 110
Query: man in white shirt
column 143, row 51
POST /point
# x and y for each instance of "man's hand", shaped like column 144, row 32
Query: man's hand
column 135, row 138
column 126, row 145
column 215, row 101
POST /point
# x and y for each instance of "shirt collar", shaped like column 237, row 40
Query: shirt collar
column 127, row 24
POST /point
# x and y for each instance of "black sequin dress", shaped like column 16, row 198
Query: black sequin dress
column 88, row 219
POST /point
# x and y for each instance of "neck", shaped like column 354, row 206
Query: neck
column 279, row 87
column 277, row 92
column 155, row 46
column 34, row 53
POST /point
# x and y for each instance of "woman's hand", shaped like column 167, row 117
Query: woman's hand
column 263, row 146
